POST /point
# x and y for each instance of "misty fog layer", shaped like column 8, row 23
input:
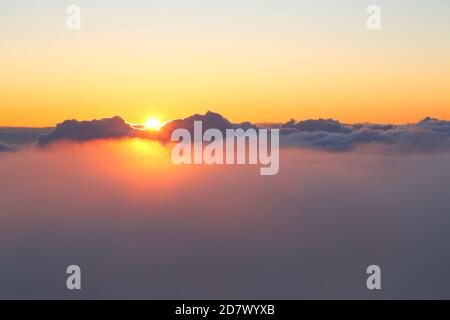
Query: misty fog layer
column 140, row 227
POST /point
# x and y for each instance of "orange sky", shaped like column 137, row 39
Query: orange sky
column 272, row 69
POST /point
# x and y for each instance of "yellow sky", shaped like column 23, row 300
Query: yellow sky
column 138, row 73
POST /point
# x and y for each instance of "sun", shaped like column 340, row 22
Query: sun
column 153, row 124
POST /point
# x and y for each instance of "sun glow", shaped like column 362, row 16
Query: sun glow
column 153, row 124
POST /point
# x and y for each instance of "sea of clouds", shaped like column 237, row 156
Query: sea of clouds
column 140, row 227
column 425, row 136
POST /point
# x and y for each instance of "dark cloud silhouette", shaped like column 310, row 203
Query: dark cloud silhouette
column 117, row 128
column 326, row 125
column 210, row 120
column 428, row 135
column 330, row 141
column 20, row 136
column 80, row 131
column 375, row 126
column 7, row 148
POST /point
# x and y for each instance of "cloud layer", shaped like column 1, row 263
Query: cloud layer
column 428, row 135
column 80, row 131
column 222, row 232
column 7, row 148
column 117, row 128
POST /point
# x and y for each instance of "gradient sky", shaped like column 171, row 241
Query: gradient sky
column 249, row 60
